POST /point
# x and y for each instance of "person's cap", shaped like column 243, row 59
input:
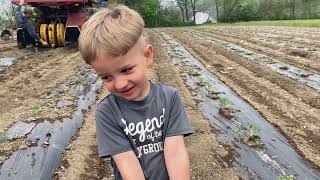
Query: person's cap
column 28, row 9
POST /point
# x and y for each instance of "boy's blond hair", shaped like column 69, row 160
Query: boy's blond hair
column 113, row 31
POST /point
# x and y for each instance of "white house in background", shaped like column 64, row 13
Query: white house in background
column 202, row 17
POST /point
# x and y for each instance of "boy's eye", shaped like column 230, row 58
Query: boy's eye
column 127, row 70
column 106, row 78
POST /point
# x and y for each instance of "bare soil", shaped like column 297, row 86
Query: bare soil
column 276, row 97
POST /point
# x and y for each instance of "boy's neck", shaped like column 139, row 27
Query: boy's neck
column 146, row 92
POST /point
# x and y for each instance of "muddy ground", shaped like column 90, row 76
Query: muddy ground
column 33, row 88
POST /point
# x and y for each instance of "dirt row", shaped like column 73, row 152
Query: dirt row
column 29, row 83
column 283, row 107
column 293, row 45
column 295, row 88
column 299, row 58
column 31, row 90
column 292, row 33
column 277, row 40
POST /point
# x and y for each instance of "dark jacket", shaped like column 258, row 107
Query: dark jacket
column 25, row 23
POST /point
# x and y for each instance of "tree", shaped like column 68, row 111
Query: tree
column 7, row 18
column 217, row 10
column 181, row 7
column 292, row 7
column 193, row 6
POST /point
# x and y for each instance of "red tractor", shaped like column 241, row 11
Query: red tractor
column 60, row 20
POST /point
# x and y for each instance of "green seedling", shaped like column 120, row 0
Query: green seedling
column 224, row 102
column 36, row 108
column 189, row 70
column 238, row 134
column 183, row 62
column 254, row 129
column 209, row 87
column 202, row 81
column 3, row 136
column 286, row 177
column 75, row 79
column 254, row 133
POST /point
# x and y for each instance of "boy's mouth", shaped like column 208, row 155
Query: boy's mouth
column 127, row 92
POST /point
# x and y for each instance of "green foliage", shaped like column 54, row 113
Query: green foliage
column 286, row 177
column 254, row 129
column 224, row 102
column 229, row 11
column 250, row 10
column 148, row 9
column 75, row 79
column 154, row 14
column 238, row 134
column 294, row 23
column 209, row 87
column 36, row 108
column 254, row 133
column 4, row 23
column 203, row 80
column 3, row 136
column 189, row 70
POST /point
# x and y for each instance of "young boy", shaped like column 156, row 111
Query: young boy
column 141, row 124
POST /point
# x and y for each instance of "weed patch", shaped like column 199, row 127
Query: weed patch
column 36, row 108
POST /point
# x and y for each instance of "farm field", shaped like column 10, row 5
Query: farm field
column 251, row 93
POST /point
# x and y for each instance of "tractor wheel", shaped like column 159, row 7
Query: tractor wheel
column 60, row 34
column 52, row 35
column 44, row 32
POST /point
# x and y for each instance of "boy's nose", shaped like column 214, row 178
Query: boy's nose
column 120, row 84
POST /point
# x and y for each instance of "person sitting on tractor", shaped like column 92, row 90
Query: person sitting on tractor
column 25, row 28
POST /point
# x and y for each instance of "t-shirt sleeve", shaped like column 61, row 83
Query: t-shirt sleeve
column 179, row 123
column 111, row 138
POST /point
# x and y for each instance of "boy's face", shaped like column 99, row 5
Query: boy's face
column 126, row 76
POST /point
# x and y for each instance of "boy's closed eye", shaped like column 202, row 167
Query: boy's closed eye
column 106, row 78
column 127, row 70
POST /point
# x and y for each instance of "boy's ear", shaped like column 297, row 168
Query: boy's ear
column 148, row 54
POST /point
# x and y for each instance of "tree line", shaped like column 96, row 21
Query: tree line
column 183, row 12
column 158, row 13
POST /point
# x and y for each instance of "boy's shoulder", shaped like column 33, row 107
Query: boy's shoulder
column 107, row 102
column 169, row 90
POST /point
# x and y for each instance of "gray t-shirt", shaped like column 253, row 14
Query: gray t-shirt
column 141, row 126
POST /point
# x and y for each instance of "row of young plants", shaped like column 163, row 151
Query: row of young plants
column 306, row 77
column 249, row 133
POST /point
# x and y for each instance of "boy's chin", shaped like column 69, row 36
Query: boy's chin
column 133, row 97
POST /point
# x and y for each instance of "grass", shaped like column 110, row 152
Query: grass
column 3, row 136
column 293, row 23
column 75, row 79
column 36, row 108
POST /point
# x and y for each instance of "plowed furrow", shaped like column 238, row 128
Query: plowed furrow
column 271, row 51
column 293, row 116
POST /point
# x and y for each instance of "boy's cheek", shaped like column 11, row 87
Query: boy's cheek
column 107, row 87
